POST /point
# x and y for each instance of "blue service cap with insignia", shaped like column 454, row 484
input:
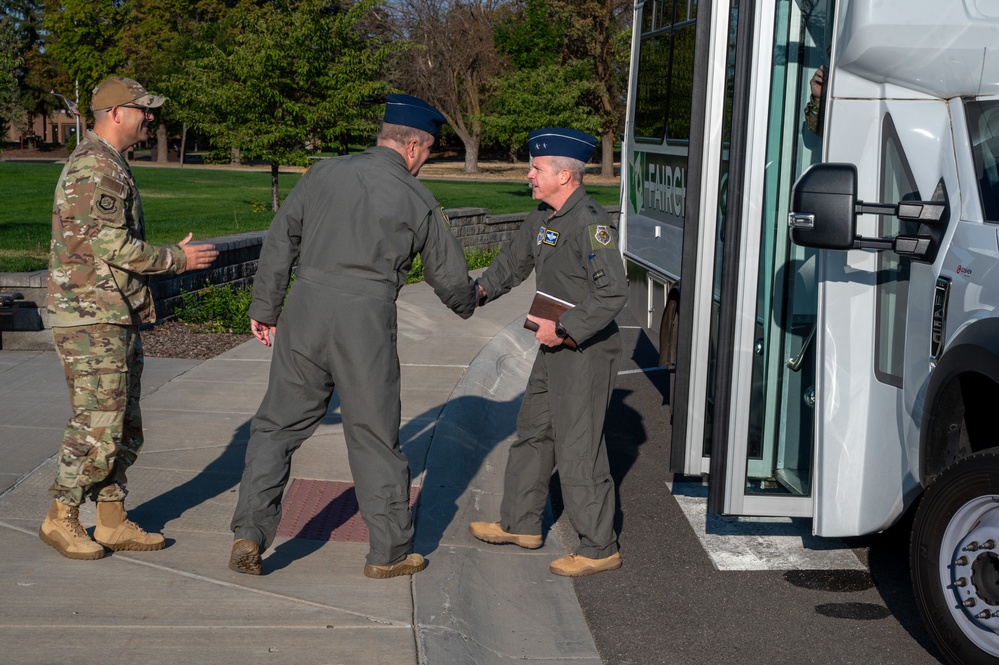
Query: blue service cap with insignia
column 413, row 112
column 561, row 142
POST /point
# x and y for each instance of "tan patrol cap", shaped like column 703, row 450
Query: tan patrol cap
column 116, row 91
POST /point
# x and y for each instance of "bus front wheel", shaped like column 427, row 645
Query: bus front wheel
column 954, row 559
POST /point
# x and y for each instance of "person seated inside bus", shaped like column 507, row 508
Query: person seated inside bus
column 813, row 109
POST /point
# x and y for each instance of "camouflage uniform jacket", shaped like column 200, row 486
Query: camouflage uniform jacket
column 99, row 260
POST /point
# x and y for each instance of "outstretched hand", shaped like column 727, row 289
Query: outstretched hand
column 198, row 256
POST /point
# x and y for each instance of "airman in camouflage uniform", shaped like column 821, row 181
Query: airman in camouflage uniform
column 570, row 243
column 98, row 295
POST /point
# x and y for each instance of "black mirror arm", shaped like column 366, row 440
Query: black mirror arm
column 924, row 212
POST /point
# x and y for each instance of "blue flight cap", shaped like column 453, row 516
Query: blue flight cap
column 413, row 112
column 561, row 142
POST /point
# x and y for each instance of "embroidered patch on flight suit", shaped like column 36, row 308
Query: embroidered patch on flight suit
column 447, row 222
column 541, row 234
column 551, row 237
column 601, row 235
column 601, row 238
column 598, row 275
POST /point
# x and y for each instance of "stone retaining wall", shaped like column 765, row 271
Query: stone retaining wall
column 26, row 326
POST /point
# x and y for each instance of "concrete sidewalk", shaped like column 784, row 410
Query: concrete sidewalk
column 475, row 603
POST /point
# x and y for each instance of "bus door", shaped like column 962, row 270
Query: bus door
column 762, row 409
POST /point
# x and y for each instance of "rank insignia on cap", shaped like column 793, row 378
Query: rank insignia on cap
column 551, row 237
column 107, row 203
column 601, row 235
column 541, row 234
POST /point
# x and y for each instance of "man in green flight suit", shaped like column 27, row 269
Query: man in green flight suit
column 571, row 244
column 353, row 224
column 98, row 295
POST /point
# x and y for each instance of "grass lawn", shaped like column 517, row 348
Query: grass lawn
column 207, row 202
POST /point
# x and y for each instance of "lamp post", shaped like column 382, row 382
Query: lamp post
column 72, row 107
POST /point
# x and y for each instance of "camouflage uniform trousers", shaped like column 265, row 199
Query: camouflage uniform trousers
column 103, row 366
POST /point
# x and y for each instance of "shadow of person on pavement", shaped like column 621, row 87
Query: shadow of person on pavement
column 468, row 431
column 219, row 476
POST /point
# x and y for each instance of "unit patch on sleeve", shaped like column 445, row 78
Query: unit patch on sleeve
column 600, row 237
column 551, row 237
column 541, row 234
column 108, row 193
column 107, row 203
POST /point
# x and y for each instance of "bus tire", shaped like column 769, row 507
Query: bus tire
column 669, row 330
column 954, row 559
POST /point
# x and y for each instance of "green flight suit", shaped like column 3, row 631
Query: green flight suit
column 575, row 257
column 353, row 224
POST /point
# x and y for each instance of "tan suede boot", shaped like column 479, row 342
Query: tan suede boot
column 63, row 531
column 116, row 532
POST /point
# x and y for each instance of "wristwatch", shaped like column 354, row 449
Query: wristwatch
column 560, row 331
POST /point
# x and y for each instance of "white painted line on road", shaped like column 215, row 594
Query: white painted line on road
column 642, row 370
column 759, row 543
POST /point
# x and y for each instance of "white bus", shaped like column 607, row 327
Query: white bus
column 848, row 373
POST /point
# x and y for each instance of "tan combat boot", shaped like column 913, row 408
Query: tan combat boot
column 412, row 564
column 574, row 565
column 63, row 531
column 116, row 532
column 492, row 532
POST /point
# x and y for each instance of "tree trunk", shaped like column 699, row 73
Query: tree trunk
column 607, row 155
column 274, row 186
column 183, row 145
column 162, row 144
column 234, row 160
column 471, row 155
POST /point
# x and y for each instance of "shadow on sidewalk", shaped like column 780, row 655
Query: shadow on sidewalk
column 218, row 477
column 469, row 429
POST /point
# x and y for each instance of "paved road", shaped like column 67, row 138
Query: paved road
column 670, row 604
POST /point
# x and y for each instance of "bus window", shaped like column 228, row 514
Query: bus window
column 662, row 102
column 650, row 93
column 983, row 125
column 897, row 184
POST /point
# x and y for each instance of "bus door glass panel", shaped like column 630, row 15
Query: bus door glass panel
column 897, row 184
column 780, row 428
column 726, row 128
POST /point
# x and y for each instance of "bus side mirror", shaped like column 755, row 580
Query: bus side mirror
column 824, row 209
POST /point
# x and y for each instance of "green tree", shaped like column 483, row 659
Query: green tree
column 85, row 39
column 281, row 80
column 528, row 34
column 550, row 96
column 598, row 32
column 156, row 42
column 23, row 62
column 453, row 62
column 11, row 61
